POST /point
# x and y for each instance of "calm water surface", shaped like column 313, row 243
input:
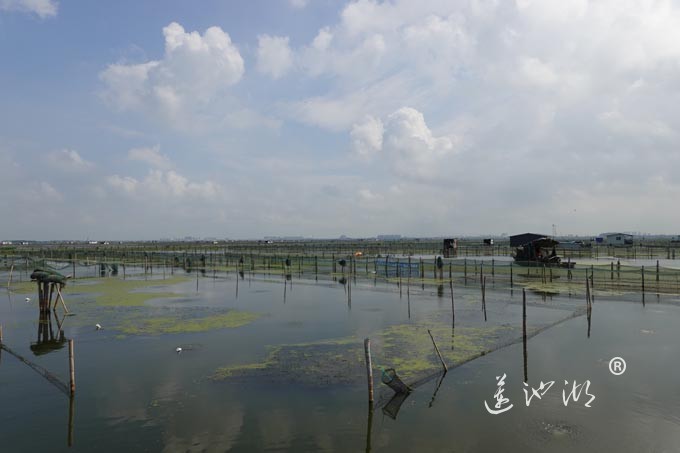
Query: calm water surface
column 136, row 394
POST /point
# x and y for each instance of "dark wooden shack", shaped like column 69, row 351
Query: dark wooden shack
column 450, row 247
column 522, row 239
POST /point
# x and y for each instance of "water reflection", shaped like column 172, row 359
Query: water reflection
column 436, row 389
column 369, row 427
column 47, row 340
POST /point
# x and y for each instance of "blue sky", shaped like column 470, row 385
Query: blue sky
column 141, row 119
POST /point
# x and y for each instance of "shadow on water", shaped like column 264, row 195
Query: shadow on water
column 46, row 343
column 392, row 407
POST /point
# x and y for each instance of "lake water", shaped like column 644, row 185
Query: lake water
column 135, row 393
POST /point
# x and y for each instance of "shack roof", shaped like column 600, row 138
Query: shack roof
column 616, row 234
column 524, row 238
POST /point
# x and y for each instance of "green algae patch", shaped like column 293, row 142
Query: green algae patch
column 174, row 325
column 25, row 287
column 405, row 347
column 574, row 287
column 243, row 370
column 313, row 364
column 408, row 347
column 115, row 292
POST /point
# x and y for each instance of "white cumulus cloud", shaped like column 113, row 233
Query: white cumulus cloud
column 298, row 4
column 42, row 8
column 159, row 184
column 274, row 56
column 195, row 71
column 367, row 136
column 406, row 140
column 150, row 155
column 68, row 160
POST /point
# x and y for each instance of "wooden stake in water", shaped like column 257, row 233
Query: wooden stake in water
column 369, row 369
column 441, row 359
column 70, row 422
column 11, row 271
column 61, row 299
column 484, row 297
column 72, row 367
column 524, row 332
column 453, row 306
column 657, row 270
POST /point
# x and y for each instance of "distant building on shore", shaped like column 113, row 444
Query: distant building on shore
column 617, row 238
column 388, row 237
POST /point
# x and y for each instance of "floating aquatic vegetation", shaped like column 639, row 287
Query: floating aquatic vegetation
column 178, row 324
column 406, row 347
column 25, row 287
column 110, row 291
column 125, row 293
column 571, row 287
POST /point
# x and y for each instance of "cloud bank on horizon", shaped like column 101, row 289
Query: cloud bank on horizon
column 327, row 118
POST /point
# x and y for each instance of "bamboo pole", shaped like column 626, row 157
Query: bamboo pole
column 453, row 306
column 72, row 367
column 369, row 369
column 657, row 270
column 441, row 359
column 524, row 332
column 61, row 298
column 484, row 297
column 70, row 421
column 349, row 292
column 369, row 427
column 49, row 298
column 11, row 271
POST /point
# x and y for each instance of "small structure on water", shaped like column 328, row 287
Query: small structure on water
column 532, row 249
column 450, row 247
column 524, row 238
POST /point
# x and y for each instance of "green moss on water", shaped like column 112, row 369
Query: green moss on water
column 125, row 293
column 26, row 287
column 408, row 347
column 174, row 325
column 240, row 370
column 572, row 287
column 405, row 347
column 111, row 292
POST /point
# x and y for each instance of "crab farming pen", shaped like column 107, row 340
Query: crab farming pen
column 382, row 261
column 495, row 302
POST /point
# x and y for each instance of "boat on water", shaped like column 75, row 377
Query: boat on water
column 540, row 252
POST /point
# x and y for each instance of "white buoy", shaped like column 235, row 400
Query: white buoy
column 98, row 326
column 178, row 350
column 28, row 299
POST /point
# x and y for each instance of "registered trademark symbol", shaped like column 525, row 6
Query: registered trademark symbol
column 617, row 366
